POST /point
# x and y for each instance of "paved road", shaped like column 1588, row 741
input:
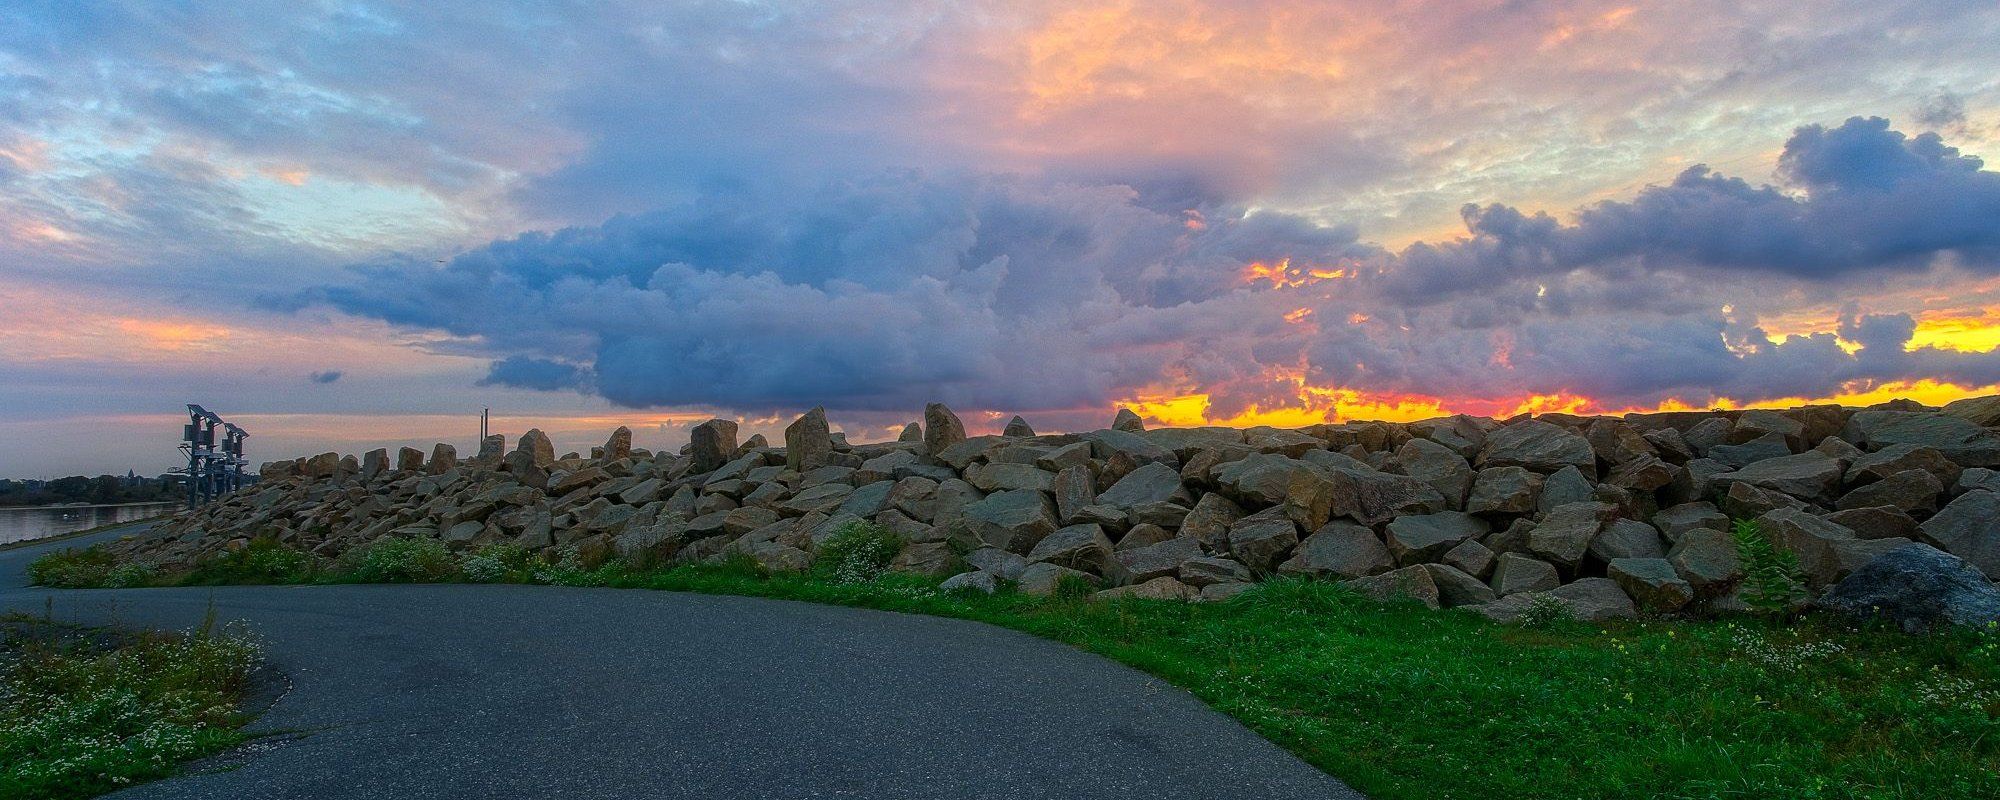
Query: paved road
column 543, row 692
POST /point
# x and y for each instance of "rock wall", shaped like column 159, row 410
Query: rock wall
column 1608, row 515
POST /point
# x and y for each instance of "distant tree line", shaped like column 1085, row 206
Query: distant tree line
column 86, row 489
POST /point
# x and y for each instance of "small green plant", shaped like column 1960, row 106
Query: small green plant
column 83, row 711
column 89, row 568
column 1545, row 611
column 263, row 560
column 399, row 560
column 1771, row 582
column 569, row 570
column 127, row 576
column 857, row 553
column 495, row 562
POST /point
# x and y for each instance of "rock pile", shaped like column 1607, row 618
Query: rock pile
column 1609, row 516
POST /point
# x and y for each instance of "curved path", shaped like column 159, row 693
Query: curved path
column 459, row 691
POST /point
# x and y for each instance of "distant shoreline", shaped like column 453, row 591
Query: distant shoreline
column 88, row 505
column 5, row 546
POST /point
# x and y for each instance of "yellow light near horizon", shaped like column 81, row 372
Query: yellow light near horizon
column 1963, row 334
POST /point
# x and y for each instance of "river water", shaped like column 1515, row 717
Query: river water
column 22, row 524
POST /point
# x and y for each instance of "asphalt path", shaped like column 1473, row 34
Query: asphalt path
column 463, row 691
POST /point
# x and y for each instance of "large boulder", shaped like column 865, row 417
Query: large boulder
column 1826, row 551
column 1150, row 483
column 1014, row 521
column 1674, row 522
column 711, row 445
column 1538, row 446
column 1910, row 491
column 1261, row 539
column 1652, row 582
column 1437, row 465
column 537, row 445
column 1506, row 490
column 1456, row 588
column 1969, row 527
column 942, row 429
column 1413, row 582
column 1919, row 587
column 1959, row 439
column 1079, row 547
column 1707, row 560
column 1340, row 549
column 1140, row 564
column 809, row 442
column 1514, row 573
column 1811, row 476
column 1595, row 600
column 1044, row 579
column 1425, row 538
column 1564, row 534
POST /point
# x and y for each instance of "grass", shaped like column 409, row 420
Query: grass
column 1405, row 702
column 84, row 711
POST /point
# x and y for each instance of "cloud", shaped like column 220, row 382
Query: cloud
column 539, row 374
column 327, row 376
column 1864, row 198
column 1011, row 292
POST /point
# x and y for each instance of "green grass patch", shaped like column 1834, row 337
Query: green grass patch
column 85, row 711
column 1406, row 702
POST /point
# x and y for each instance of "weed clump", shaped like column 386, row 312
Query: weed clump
column 400, row 560
column 859, row 552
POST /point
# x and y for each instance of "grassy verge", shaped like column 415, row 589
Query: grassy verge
column 1404, row 702
column 84, row 711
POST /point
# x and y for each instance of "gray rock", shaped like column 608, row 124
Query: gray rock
column 1455, row 588
column 1624, row 538
column 1161, row 588
column 1209, row 571
column 1595, row 600
column 1340, row 549
column 1564, row 486
column 1707, row 560
column 1981, row 411
column 1042, row 580
column 942, row 429
column 1919, row 587
column 1707, row 434
column 1014, row 521
column 977, row 580
column 998, row 562
column 1509, row 490
column 1261, row 539
column 825, row 498
column 809, row 442
column 1145, row 536
column 1810, row 476
column 1471, row 558
column 1871, row 467
column 869, row 500
column 1004, row 477
column 1127, row 421
column 536, row 444
column 1208, row 522
column 1643, row 473
column 1017, row 427
column 444, row 458
column 1425, row 538
column 1079, row 547
column 1538, row 446
column 1413, row 582
column 775, row 558
column 1978, row 478
column 1675, row 521
column 619, row 445
column 1744, row 501
column 1514, row 573
column 1437, row 465
column 1912, row 490
column 912, row 432
column 1738, row 456
column 1827, row 552
column 1075, row 488
column 1968, row 527
column 934, row 559
column 1876, row 522
column 1960, row 440
column 1260, row 480
column 1139, row 564
column 1563, row 535
column 1150, row 483
column 1651, row 582
column 1106, row 443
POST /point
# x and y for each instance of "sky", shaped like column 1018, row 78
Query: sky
column 348, row 225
